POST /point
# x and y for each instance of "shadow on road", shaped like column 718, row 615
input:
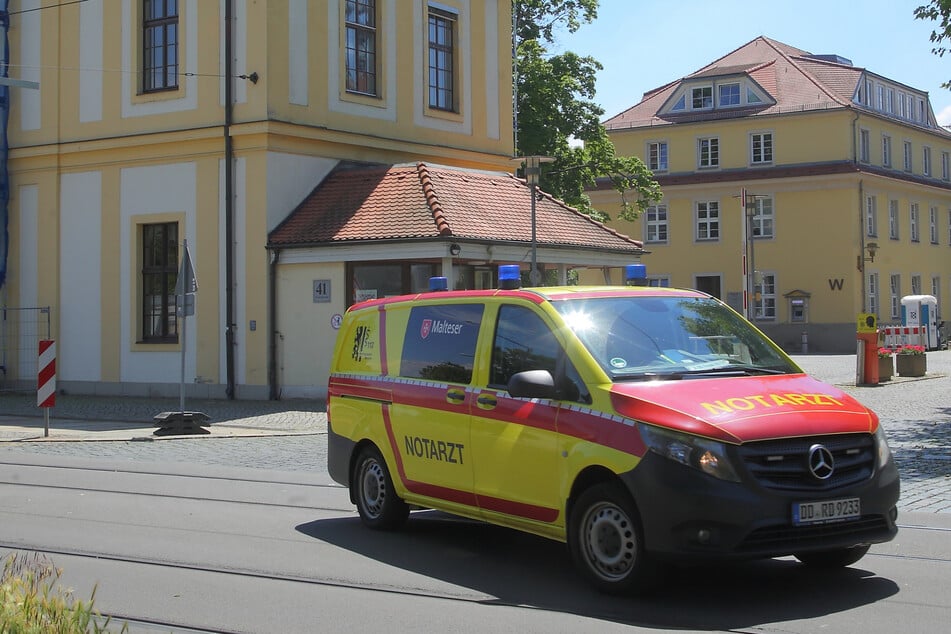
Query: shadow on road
column 520, row 569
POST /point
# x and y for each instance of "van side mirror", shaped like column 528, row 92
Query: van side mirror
column 532, row 384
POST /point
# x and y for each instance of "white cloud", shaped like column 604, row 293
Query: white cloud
column 944, row 117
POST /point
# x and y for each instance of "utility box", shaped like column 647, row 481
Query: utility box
column 921, row 311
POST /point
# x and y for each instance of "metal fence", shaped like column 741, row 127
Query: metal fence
column 21, row 330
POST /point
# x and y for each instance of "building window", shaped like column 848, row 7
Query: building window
column 894, row 287
column 442, row 26
column 881, row 98
column 372, row 280
column 886, row 151
column 655, row 223
column 708, row 152
column 708, row 220
column 764, row 296
column 916, row 285
column 907, row 146
column 890, row 101
column 933, row 224
column 160, row 45
column 926, row 161
column 729, row 94
column 657, row 156
column 936, row 292
column 761, row 147
column 702, row 98
column 360, row 20
column 159, row 275
column 913, row 219
column 893, row 223
column 871, row 216
column 873, row 293
column 863, row 146
column 945, row 166
column 762, row 220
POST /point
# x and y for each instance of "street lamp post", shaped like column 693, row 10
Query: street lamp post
column 532, row 172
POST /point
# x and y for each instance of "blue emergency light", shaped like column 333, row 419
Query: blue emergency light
column 635, row 275
column 438, row 284
column 510, row 276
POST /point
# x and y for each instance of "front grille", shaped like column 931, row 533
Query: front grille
column 786, row 538
column 784, row 464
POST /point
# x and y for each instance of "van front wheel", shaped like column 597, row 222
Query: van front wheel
column 606, row 540
column 372, row 488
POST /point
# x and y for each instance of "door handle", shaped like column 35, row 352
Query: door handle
column 486, row 401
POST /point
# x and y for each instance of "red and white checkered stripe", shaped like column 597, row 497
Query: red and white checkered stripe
column 46, row 378
column 898, row 336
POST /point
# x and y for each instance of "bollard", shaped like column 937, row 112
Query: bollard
column 805, row 342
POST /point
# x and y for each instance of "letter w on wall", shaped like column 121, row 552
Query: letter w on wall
column 836, row 285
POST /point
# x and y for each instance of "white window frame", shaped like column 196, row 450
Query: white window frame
column 945, row 166
column 708, row 152
column 926, row 161
column 864, row 142
column 873, row 305
column 894, row 222
column 916, row 284
column 707, row 221
column 657, row 156
column 894, row 284
column 764, row 308
column 906, row 145
column 763, row 219
column 913, row 217
column 871, row 216
column 886, row 150
column 701, row 93
column 656, row 228
column 728, row 104
column 761, row 148
column 933, row 224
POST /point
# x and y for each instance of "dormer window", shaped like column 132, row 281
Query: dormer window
column 702, row 98
column 729, row 94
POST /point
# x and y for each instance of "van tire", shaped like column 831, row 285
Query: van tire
column 606, row 540
column 838, row 558
column 372, row 488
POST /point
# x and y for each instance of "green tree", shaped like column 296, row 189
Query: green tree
column 554, row 101
column 938, row 11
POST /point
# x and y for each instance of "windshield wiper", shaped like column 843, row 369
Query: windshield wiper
column 727, row 370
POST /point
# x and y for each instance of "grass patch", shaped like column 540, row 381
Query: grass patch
column 32, row 601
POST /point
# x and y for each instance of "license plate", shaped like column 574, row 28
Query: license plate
column 825, row 511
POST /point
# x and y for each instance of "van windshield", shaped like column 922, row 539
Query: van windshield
column 647, row 337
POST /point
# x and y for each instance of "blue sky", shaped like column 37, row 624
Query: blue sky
column 645, row 44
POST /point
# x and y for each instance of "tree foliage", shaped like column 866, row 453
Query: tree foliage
column 554, row 101
column 938, row 11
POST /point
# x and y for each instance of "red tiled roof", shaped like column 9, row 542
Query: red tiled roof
column 414, row 202
column 793, row 78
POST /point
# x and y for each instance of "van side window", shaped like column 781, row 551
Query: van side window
column 440, row 342
column 524, row 342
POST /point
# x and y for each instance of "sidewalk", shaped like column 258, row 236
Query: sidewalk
column 97, row 418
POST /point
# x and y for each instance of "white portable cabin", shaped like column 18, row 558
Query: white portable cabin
column 922, row 311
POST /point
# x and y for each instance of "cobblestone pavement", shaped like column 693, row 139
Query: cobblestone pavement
column 916, row 414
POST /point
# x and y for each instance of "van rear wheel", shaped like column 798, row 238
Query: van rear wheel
column 606, row 540
column 372, row 488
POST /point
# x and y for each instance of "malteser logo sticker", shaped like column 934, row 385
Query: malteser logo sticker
column 439, row 327
column 362, row 344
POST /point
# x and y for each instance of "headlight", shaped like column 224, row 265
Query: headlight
column 700, row 453
column 884, row 452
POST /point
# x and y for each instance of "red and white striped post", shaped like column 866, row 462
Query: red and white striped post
column 46, row 380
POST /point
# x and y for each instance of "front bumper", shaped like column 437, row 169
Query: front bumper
column 687, row 514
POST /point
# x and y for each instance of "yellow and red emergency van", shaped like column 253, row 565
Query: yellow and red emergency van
column 638, row 424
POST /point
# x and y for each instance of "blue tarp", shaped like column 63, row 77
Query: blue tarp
column 4, row 117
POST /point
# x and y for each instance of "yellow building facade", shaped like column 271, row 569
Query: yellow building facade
column 156, row 123
column 847, row 179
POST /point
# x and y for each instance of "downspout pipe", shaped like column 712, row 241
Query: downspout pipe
column 229, row 202
column 273, row 390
